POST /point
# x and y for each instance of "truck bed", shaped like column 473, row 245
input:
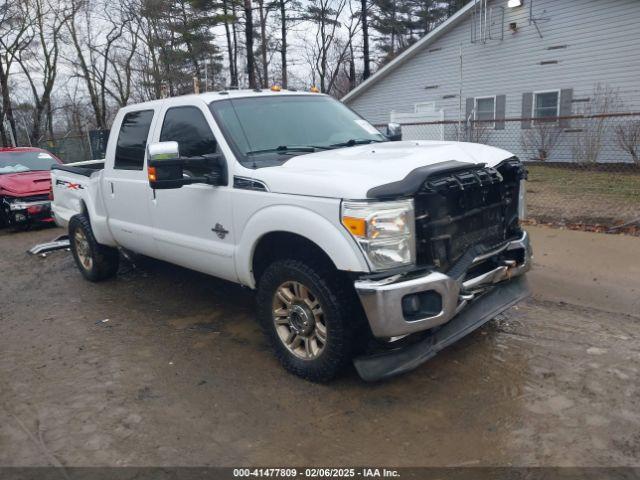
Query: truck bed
column 85, row 169
column 77, row 187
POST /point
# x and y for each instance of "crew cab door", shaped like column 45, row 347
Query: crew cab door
column 193, row 224
column 126, row 190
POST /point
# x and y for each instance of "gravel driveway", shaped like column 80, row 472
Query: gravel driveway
column 164, row 366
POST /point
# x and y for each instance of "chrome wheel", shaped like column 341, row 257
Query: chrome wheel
column 299, row 320
column 83, row 251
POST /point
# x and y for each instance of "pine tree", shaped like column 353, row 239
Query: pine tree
column 391, row 20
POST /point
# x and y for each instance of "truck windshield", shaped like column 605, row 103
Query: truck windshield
column 16, row 162
column 266, row 131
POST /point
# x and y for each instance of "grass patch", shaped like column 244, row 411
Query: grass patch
column 575, row 182
column 559, row 194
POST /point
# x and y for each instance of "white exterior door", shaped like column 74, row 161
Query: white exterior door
column 126, row 189
column 192, row 225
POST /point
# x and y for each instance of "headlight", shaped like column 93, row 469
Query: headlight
column 384, row 231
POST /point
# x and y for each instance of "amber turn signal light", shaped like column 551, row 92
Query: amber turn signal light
column 357, row 226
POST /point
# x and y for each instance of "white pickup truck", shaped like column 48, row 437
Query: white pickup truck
column 361, row 247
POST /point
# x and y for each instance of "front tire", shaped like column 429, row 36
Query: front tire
column 96, row 262
column 309, row 314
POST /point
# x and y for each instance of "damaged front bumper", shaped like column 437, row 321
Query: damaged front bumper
column 397, row 306
column 18, row 211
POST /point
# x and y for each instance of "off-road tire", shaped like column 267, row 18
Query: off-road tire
column 104, row 259
column 341, row 312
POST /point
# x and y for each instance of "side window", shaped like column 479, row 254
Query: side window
column 132, row 140
column 189, row 127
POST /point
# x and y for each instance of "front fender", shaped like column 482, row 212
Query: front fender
column 332, row 238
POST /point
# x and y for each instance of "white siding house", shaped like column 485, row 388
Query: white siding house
column 493, row 61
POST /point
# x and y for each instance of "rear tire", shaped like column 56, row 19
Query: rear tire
column 96, row 262
column 310, row 315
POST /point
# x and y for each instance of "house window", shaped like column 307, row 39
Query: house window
column 546, row 105
column 485, row 109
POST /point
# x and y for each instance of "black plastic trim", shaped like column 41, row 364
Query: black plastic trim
column 84, row 171
column 394, row 362
column 245, row 183
column 414, row 180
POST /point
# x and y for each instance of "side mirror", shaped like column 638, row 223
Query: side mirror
column 394, row 132
column 166, row 168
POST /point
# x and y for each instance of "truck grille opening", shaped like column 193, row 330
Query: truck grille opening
column 456, row 211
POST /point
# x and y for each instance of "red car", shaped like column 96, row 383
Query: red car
column 25, row 184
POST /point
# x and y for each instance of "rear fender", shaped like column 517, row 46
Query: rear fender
column 82, row 197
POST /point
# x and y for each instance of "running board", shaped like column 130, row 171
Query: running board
column 58, row 243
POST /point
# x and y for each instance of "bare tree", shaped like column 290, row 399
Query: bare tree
column 366, row 56
column 628, row 138
column 15, row 36
column 474, row 132
column 263, row 15
column 121, row 74
column 592, row 129
column 144, row 15
column 283, row 42
column 248, row 34
column 40, row 63
column 94, row 29
column 540, row 141
column 230, row 20
column 290, row 17
column 330, row 48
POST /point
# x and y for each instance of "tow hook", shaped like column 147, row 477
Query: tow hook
column 510, row 264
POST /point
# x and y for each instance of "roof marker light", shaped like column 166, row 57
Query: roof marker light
column 315, row 89
column 276, row 88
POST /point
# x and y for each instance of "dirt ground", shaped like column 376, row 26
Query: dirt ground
column 180, row 374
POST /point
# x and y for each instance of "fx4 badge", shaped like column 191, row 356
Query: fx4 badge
column 220, row 231
column 70, row 185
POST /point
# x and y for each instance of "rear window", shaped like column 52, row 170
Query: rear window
column 132, row 140
column 16, row 162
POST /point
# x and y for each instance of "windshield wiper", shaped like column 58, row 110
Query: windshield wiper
column 353, row 141
column 288, row 149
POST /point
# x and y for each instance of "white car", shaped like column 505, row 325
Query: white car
column 361, row 247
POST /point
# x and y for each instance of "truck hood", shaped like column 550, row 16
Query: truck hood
column 25, row 184
column 351, row 172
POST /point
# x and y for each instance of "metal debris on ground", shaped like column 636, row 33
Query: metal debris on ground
column 59, row 243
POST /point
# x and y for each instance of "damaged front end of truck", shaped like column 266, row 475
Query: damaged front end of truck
column 470, row 256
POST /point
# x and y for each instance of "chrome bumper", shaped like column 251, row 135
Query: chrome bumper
column 383, row 299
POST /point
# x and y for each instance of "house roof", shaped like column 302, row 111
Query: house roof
column 411, row 51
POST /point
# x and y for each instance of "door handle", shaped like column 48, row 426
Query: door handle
column 112, row 189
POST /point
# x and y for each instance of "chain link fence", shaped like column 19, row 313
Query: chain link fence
column 77, row 148
column 582, row 169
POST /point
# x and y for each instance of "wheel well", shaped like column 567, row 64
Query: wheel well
column 83, row 209
column 278, row 245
